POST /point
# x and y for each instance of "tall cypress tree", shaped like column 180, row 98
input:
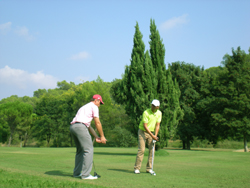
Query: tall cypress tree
column 130, row 90
column 146, row 79
column 168, row 91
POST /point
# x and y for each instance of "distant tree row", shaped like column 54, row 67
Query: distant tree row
column 46, row 117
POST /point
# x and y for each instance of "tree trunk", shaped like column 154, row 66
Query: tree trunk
column 25, row 139
column 245, row 144
column 21, row 143
column 10, row 140
column 48, row 139
column 183, row 144
column 188, row 144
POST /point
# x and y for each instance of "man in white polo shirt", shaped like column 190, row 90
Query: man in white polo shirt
column 80, row 129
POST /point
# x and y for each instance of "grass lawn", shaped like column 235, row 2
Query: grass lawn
column 52, row 167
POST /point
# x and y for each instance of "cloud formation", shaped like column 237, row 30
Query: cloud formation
column 22, row 79
column 24, row 32
column 4, row 28
column 80, row 56
column 173, row 22
column 20, row 31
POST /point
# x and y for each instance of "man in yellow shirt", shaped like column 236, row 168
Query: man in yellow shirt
column 148, row 131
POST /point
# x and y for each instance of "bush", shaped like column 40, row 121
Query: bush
column 120, row 137
column 175, row 143
column 201, row 144
column 229, row 144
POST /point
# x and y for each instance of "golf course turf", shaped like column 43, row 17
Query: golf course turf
column 52, row 167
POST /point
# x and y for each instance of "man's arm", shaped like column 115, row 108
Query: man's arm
column 149, row 132
column 92, row 131
column 98, row 126
column 157, row 127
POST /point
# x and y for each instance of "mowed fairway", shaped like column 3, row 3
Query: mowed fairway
column 52, row 167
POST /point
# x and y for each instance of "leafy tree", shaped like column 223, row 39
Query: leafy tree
column 26, row 129
column 4, row 129
column 51, row 110
column 39, row 93
column 233, row 96
column 12, row 98
column 14, row 114
column 190, row 79
column 44, row 129
column 63, row 85
column 215, row 71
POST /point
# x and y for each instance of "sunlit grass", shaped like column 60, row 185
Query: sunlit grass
column 52, row 167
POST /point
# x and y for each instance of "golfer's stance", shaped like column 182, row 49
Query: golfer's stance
column 80, row 129
column 148, row 130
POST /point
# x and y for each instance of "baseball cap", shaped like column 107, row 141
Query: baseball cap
column 98, row 97
column 155, row 102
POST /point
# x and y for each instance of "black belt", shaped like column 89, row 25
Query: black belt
column 80, row 123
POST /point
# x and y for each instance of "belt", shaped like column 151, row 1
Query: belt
column 80, row 123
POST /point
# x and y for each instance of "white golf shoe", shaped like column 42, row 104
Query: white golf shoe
column 151, row 172
column 90, row 177
column 137, row 171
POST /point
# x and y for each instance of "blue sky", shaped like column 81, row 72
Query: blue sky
column 46, row 41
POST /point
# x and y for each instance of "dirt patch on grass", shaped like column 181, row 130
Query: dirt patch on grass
column 240, row 150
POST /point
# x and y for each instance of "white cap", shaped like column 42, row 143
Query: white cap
column 155, row 102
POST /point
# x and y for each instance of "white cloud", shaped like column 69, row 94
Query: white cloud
column 173, row 22
column 24, row 32
column 80, row 56
column 22, row 79
column 20, row 31
column 5, row 27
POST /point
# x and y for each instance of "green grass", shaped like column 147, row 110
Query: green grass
column 52, row 167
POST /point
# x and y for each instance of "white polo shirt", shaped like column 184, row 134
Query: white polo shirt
column 86, row 113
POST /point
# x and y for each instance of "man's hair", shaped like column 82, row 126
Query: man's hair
column 92, row 99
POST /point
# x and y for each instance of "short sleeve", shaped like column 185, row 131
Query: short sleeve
column 145, row 117
column 95, row 111
column 159, row 118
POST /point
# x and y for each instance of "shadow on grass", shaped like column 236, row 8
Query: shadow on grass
column 57, row 173
column 109, row 153
column 122, row 170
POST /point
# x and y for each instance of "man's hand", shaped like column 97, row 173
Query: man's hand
column 103, row 140
column 98, row 140
column 155, row 138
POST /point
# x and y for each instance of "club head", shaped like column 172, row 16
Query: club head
column 95, row 174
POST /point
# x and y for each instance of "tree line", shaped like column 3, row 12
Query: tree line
column 212, row 104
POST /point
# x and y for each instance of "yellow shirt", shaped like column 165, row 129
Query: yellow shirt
column 151, row 119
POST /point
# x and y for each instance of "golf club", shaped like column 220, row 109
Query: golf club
column 153, row 149
column 95, row 174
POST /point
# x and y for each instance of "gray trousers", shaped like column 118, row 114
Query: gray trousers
column 84, row 149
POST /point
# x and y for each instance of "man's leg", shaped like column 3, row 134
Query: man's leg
column 79, row 151
column 84, row 155
column 150, row 145
column 141, row 149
